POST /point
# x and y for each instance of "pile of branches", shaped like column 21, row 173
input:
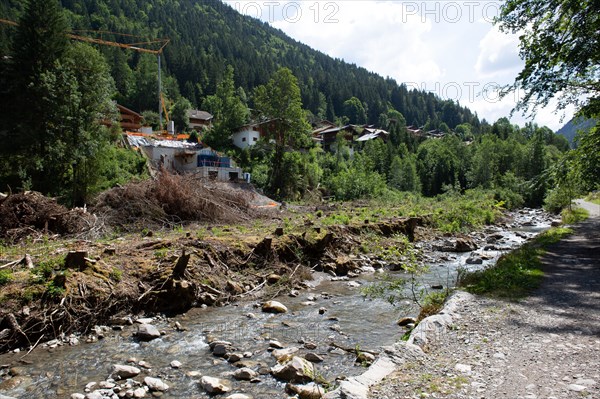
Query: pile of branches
column 31, row 213
column 171, row 199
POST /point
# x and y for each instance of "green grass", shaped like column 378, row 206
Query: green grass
column 516, row 273
column 574, row 215
column 594, row 198
column 5, row 277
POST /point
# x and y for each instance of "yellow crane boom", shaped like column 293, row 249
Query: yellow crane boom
column 131, row 46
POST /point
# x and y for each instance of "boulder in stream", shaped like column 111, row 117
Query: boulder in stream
column 147, row 332
column 308, row 391
column 274, row 307
column 297, row 370
column 214, row 385
column 245, row 374
column 122, row 372
column 156, row 384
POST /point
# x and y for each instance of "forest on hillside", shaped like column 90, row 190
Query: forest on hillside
column 207, row 35
column 55, row 93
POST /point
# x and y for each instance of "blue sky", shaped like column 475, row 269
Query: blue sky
column 448, row 47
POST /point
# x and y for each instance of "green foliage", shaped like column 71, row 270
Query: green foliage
column 464, row 212
column 6, row 277
column 356, row 181
column 280, row 101
column 179, row 113
column 574, row 215
column 229, row 110
column 403, row 174
column 432, row 303
column 355, row 111
column 560, row 62
column 516, row 273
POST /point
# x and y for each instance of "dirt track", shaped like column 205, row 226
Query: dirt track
column 546, row 346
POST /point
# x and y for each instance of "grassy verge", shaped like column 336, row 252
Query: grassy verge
column 516, row 273
column 574, row 215
column 594, row 198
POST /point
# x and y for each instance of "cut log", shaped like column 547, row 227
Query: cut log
column 181, row 265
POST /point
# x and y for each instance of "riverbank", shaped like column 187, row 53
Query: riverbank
column 546, row 345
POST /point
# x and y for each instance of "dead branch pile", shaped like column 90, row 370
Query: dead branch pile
column 28, row 213
column 171, row 199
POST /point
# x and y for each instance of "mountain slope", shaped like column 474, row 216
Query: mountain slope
column 207, row 35
column 573, row 126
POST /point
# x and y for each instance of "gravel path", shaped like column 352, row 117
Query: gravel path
column 546, row 346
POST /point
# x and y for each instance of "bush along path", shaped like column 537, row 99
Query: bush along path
column 546, row 345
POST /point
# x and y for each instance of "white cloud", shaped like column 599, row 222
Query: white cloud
column 421, row 44
column 498, row 55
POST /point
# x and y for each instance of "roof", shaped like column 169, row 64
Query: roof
column 372, row 134
column 197, row 114
column 127, row 111
column 141, row 141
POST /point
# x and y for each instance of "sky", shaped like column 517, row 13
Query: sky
column 448, row 47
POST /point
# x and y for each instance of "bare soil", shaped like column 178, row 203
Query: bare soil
column 60, row 284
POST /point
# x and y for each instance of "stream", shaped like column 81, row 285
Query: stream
column 330, row 310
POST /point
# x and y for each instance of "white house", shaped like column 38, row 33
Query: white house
column 246, row 137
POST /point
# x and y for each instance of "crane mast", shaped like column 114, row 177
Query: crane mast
column 132, row 46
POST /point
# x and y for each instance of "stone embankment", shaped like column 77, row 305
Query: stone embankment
column 545, row 346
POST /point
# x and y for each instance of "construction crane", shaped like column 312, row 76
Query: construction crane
column 138, row 46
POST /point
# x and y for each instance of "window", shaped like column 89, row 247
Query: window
column 255, row 139
column 243, row 139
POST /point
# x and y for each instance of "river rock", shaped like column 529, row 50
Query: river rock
column 365, row 358
column 464, row 244
column 220, row 349
column 175, row 364
column 245, row 374
column 147, row 332
column 94, row 395
column 155, row 384
column 275, row 344
column 239, row 396
column 474, row 260
column 308, row 391
column 406, row 320
column 284, row 354
column 273, row 278
column 139, row 393
column 122, row 372
column 313, row 357
column 73, row 396
column 274, row 307
column 214, row 385
column 234, row 357
column 310, row 345
column 297, row 370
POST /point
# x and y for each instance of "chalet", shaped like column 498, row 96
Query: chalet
column 185, row 157
column 415, row 131
column 248, row 135
column 327, row 136
column 199, row 120
column 130, row 121
column 435, row 133
column 370, row 133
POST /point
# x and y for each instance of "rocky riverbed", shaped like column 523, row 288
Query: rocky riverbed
column 321, row 334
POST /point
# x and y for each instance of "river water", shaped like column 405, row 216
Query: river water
column 349, row 321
